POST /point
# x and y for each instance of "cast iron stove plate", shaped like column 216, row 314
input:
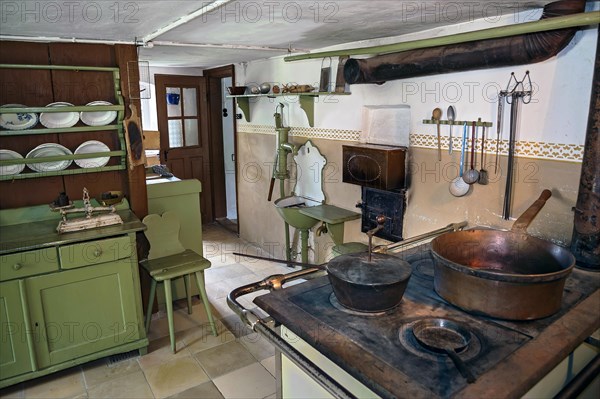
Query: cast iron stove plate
column 381, row 336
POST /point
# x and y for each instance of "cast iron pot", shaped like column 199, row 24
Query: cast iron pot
column 368, row 286
column 503, row 274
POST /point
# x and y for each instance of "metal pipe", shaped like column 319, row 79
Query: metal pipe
column 258, row 325
column 222, row 46
column 578, row 384
column 568, row 21
column 205, row 9
column 402, row 244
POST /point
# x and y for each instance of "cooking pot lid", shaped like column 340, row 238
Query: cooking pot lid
column 381, row 270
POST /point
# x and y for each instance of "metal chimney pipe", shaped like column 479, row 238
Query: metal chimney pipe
column 585, row 243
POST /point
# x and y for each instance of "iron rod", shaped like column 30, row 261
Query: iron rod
column 511, row 156
column 569, row 21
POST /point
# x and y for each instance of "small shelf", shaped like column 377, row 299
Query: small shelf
column 307, row 102
column 79, row 129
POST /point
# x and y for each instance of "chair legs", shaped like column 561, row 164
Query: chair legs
column 188, row 292
column 150, row 304
column 202, row 289
column 169, row 306
column 199, row 277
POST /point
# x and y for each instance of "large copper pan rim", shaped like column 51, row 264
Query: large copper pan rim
column 562, row 254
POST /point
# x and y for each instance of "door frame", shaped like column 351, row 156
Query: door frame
column 161, row 83
column 215, row 132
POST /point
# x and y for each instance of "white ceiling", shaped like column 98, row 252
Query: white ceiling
column 238, row 31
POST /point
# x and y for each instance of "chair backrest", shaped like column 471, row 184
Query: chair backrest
column 163, row 234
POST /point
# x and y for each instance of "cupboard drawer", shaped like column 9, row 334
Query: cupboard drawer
column 94, row 252
column 29, row 263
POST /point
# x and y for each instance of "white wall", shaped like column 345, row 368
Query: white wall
column 557, row 114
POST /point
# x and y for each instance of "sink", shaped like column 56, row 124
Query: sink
column 289, row 209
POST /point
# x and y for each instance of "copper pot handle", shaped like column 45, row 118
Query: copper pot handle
column 521, row 224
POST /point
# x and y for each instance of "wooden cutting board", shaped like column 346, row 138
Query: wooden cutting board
column 134, row 139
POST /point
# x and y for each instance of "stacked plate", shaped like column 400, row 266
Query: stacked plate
column 98, row 118
column 55, row 120
column 90, row 147
column 49, row 150
column 6, row 170
column 19, row 121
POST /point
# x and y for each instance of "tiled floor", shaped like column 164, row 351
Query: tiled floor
column 235, row 364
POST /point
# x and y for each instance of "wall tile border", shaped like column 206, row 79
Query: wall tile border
column 524, row 149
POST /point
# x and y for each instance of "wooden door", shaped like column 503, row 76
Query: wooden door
column 183, row 122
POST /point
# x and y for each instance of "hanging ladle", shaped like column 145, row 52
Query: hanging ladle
column 436, row 116
column 451, row 115
column 458, row 187
column 472, row 174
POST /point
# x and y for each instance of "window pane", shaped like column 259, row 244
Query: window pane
column 191, row 132
column 175, row 134
column 173, row 101
column 190, row 107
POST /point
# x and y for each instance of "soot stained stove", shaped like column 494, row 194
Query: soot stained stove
column 380, row 349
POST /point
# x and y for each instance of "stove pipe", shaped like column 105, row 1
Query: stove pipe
column 491, row 53
column 585, row 243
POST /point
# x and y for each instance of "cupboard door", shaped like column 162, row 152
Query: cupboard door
column 15, row 353
column 82, row 311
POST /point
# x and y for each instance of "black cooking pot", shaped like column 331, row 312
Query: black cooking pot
column 368, row 286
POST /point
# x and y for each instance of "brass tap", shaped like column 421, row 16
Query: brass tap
column 380, row 219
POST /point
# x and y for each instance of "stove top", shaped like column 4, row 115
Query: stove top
column 380, row 349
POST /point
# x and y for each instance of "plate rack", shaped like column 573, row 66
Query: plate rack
column 118, row 127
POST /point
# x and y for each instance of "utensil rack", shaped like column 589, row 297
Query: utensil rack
column 118, row 127
column 478, row 122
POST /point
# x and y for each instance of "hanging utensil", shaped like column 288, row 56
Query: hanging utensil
column 451, row 114
column 458, row 187
column 514, row 109
column 472, row 174
column 436, row 116
column 483, row 173
column 445, row 336
column 499, row 127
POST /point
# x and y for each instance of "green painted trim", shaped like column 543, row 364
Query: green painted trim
column 59, row 67
column 62, row 158
column 62, row 172
column 28, row 337
column 76, row 108
column 9, row 133
column 569, row 21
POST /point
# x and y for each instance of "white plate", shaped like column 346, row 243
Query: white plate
column 99, row 118
column 10, row 169
column 89, row 147
column 55, row 120
column 18, row 121
column 49, row 150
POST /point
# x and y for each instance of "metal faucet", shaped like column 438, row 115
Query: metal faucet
column 380, row 219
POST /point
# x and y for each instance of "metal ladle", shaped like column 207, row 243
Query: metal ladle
column 451, row 114
column 436, row 116
column 472, row 175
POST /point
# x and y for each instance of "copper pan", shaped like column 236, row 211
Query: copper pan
column 503, row 274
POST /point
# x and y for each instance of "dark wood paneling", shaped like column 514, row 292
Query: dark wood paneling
column 126, row 57
column 31, row 88
column 216, row 147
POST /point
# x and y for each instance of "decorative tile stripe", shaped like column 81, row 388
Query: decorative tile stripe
column 309, row 132
column 525, row 149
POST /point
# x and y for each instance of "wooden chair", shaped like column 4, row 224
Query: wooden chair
column 168, row 260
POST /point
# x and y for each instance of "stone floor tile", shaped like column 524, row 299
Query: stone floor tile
column 208, row 390
column 63, row 384
column 99, row 371
column 224, row 358
column 258, row 346
column 178, row 375
column 252, row 381
column 130, row 386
